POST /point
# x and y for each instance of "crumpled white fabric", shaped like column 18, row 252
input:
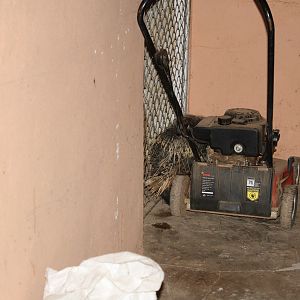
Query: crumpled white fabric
column 118, row 276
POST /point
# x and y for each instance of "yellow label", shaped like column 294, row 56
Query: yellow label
column 252, row 194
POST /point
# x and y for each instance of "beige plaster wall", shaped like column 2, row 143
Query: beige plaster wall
column 71, row 164
column 228, row 62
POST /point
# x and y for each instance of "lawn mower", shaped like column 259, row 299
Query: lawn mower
column 236, row 173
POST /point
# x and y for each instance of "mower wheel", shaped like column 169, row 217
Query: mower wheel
column 288, row 209
column 179, row 192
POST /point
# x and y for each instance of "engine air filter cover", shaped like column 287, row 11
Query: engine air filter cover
column 244, row 115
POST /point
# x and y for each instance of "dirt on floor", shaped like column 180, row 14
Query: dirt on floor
column 207, row 256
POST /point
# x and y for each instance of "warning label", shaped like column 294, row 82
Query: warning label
column 253, row 189
column 252, row 194
column 250, row 182
column 208, row 185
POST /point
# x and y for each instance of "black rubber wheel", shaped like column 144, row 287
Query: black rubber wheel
column 289, row 202
column 179, row 192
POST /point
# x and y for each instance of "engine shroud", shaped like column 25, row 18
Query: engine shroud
column 239, row 131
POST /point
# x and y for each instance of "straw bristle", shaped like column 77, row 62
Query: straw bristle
column 170, row 154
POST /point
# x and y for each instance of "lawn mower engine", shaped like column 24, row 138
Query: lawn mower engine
column 233, row 178
column 237, row 174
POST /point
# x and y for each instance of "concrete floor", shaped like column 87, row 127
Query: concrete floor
column 216, row 257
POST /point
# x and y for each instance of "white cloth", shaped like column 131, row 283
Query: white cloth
column 118, row 276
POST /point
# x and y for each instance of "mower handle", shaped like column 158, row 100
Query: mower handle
column 163, row 73
column 270, row 28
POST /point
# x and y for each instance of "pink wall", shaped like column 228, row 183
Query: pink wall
column 71, row 128
column 228, row 62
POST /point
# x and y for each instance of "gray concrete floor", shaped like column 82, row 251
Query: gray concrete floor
column 208, row 256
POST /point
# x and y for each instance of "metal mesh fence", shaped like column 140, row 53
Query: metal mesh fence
column 168, row 23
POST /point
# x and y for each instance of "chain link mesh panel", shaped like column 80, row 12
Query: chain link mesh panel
column 168, row 24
